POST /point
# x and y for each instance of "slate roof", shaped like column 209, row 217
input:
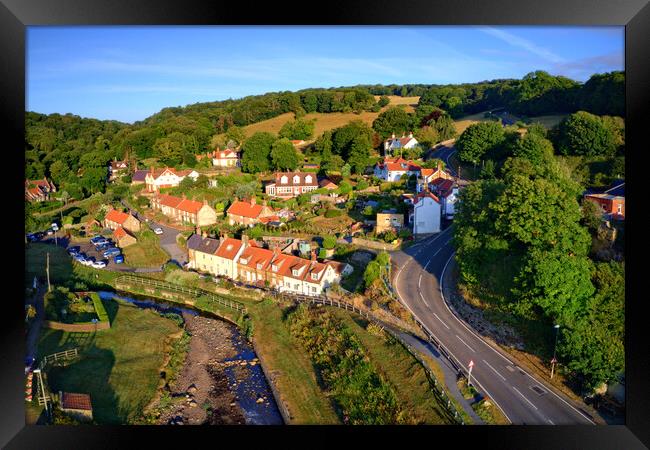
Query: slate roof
column 205, row 245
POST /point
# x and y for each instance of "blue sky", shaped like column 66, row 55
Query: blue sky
column 129, row 73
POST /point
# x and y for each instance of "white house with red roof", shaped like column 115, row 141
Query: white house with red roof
column 447, row 192
column 38, row 190
column 226, row 158
column 427, row 209
column 393, row 169
column 157, row 179
column 395, row 144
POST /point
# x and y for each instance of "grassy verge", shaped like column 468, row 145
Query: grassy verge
column 483, row 407
column 118, row 367
column 36, row 262
column 400, row 369
column 290, row 367
column 146, row 253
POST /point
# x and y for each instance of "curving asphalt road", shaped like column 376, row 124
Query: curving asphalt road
column 522, row 398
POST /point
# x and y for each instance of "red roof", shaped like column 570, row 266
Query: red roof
column 426, row 172
column 229, row 248
column 120, row 232
column 399, row 165
column 76, row 401
column 224, row 154
column 169, row 200
column 256, row 255
column 425, row 194
column 245, row 209
column 443, row 186
column 190, row 206
column 116, row 216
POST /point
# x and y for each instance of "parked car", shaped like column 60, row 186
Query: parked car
column 97, row 239
column 74, row 250
column 100, row 242
column 88, row 261
column 102, row 247
column 158, row 230
column 119, row 259
column 111, row 252
column 98, row 264
column 55, row 226
column 49, row 232
column 32, row 237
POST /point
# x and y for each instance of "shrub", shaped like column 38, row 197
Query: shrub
column 389, row 236
column 333, row 213
column 329, row 242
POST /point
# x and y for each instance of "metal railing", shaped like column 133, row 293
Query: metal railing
column 228, row 303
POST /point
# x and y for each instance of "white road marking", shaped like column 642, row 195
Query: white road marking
column 419, row 280
column 441, row 320
column 465, row 344
column 550, row 421
column 495, row 370
column 422, row 297
column 531, row 403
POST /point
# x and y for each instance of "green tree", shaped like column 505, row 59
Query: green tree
column 584, row 134
column 383, row 101
column 534, row 148
column 235, row 134
column 372, row 273
column 93, row 180
column 359, row 155
column 592, row 345
column 60, row 172
column 393, row 120
column 298, row 129
column 256, row 152
column 284, row 155
column 329, row 242
column 479, row 139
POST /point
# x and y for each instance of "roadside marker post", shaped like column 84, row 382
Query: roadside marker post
column 469, row 375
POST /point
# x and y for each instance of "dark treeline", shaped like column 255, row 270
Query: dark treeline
column 538, row 93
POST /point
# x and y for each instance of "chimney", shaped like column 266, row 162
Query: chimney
column 313, row 255
column 410, row 134
column 205, row 201
column 253, row 200
column 198, row 230
column 244, row 240
column 440, row 165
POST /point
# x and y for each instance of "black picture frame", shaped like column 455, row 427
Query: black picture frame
column 15, row 15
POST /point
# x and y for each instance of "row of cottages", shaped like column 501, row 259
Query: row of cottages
column 611, row 201
column 157, row 179
column 249, row 212
column 249, row 263
column 291, row 184
column 395, row 144
column 184, row 210
column 393, row 169
column 38, row 190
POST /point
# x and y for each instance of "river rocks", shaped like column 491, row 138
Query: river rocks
column 192, row 389
column 193, row 404
column 260, row 400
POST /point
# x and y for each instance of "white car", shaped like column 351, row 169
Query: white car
column 158, row 230
column 98, row 264
column 88, row 262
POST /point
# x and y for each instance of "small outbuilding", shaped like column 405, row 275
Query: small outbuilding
column 76, row 405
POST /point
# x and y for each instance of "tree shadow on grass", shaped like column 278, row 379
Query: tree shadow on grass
column 90, row 375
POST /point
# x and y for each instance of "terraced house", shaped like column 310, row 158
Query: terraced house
column 38, row 190
column 184, row 210
column 248, row 212
column 167, row 177
column 249, row 263
column 291, row 184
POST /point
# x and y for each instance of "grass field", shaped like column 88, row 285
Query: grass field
column 401, row 370
column 548, row 121
column 36, row 261
column 328, row 121
column 118, row 367
column 290, row 367
column 146, row 252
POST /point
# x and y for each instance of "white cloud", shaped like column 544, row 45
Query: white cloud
column 520, row 42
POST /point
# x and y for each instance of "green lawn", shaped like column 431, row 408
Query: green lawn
column 146, row 252
column 118, row 367
column 35, row 263
column 402, row 371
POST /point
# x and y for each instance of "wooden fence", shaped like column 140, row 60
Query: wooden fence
column 165, row 285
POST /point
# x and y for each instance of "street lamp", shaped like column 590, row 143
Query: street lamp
column 40, row 382
column 554, row 361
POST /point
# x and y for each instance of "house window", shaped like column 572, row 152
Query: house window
column 284, row 180
column 244, row 261
column 274, row 268
column 308, row 179
column 296, row 179
column 314, row 276
column 297, row 286
column 313, row 289
column 294, row 272
column 259, row 266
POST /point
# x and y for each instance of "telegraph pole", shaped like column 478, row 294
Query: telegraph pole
column 47, row 270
